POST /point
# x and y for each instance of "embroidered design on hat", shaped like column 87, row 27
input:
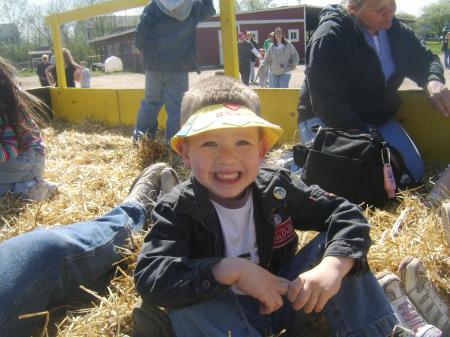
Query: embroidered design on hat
column 284, row 233
column 232, row 106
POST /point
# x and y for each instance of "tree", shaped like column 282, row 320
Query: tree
column 436, row 17
column 251, row 5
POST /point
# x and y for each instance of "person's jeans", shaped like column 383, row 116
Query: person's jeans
column 391, row 131
column 161, row 89
column 279, row 81
column 359, row 309
column 252, row 71
column 19, row 174
column 447, row 58
column 42, row 269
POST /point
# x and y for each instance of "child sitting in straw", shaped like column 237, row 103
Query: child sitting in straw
column 221, row 255
column 22, row 157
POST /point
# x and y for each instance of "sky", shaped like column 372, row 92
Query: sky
column 408, row 6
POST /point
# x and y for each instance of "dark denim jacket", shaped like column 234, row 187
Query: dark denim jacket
column 174, row 267
column 345, row 85
column 170, row 45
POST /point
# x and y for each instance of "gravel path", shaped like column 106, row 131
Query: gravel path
column 137, row 81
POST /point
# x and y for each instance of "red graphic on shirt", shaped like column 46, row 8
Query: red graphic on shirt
column 284, row 233
column 232, row 106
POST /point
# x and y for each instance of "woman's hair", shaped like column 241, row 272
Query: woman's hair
column 14, row 101
column 283, row 40
column 68, row 59
column 359, row 5
column 216, row 90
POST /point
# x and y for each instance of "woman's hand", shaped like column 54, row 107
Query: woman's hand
column 439, row 96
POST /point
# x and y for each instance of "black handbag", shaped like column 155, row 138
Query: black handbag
column 350, row 164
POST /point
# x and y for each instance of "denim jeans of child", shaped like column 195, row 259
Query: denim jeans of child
column 19, row 174
column 359, row 309
column 391, row 131
column 279, row 81
column 42, row 269
column 161, row 89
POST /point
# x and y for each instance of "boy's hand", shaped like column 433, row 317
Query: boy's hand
column 254, row 281
column 311, row 290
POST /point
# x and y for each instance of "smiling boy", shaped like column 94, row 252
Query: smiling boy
column 222, row 256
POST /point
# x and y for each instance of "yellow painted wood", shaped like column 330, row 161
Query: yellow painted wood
column 229, row 38
column 94, row 10
column 57, row 45
column 427, row 126
column 77, row 105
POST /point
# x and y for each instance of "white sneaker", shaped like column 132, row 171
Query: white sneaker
column 404, row 310
column 419, row 289
column 43, row 190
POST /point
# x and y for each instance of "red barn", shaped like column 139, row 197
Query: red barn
column 298, row 24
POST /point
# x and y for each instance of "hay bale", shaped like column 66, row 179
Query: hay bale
column 94, row 166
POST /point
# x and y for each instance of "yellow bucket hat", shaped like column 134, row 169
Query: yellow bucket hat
column 225, row 116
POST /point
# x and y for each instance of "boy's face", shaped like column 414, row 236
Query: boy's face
column 225, row 161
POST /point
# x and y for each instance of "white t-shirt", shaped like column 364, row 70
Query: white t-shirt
column 238, row 228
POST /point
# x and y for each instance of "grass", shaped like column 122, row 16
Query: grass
column 435, row 47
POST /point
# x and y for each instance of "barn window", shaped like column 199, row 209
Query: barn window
column 293, row 35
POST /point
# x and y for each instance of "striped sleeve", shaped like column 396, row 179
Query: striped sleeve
column 9, row 145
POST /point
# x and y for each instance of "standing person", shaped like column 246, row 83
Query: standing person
column 358, row 90
column 71, row 68
column 221, row 255
column 268, row 42
column 281, row 58
column 445, row 50
column 166, row 35
column 22, row 155
column 43, row 269
column 245, row 50
column 85, row 76
column 40, row 70
column 253, row 58
column 263, row 71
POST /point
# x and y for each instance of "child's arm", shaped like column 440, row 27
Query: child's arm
column 311, row 290
column 253, row 280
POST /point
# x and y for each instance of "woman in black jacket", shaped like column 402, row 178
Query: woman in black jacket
column 355, row 62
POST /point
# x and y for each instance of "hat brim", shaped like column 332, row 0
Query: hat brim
column 220, row 117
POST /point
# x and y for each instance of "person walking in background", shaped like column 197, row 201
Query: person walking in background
column 281, row 58
column 445, row 49
column 268, row 42
column 166, row 35
column 245, row 50
column 22, row 155
column 85, row 76
column 71, row 68
column 40, row 70
column 263, row 71
column 253, row 58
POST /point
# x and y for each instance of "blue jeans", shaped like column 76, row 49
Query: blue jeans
column 19, row 174
column 359, row 309
column 42, row 269
column 279, row 81
column 447, row 58
column 391, row 131
column 161, row 89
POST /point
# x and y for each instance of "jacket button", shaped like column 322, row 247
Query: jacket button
column 206, row 284
column 279, row 193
